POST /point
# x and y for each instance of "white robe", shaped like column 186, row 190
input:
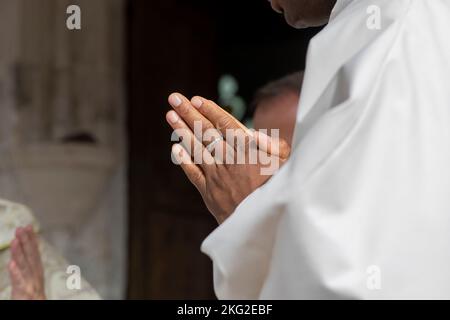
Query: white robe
column 362, row 208
column 14, row 215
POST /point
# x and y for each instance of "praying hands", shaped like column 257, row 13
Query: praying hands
column 223, row 159
column 25, row 268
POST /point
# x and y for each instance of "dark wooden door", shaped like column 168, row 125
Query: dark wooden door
column 185, row 45
column 167, row 218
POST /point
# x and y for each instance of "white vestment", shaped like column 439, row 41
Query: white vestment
column 61, row 282
column 362, row 208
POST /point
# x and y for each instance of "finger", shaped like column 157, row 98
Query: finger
column 221, row 119
column 18, row 256
column 246, row 149
column 192, row 171
column 30, row 248
column 34, row 240
column 194, row 147
column 237, row 135
column 202, row 128
column 35, row 243
column 274, row 146
column 15, row 276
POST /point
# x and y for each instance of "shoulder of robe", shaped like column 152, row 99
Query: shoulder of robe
column 12, row 216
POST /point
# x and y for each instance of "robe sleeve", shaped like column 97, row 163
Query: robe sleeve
column 361, row 210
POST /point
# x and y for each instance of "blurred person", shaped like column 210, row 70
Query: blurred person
column 30, row 269
column 361, row 208
column 276, row 104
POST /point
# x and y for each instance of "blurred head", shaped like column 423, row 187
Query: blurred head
column 304, row 13
column 276, row 106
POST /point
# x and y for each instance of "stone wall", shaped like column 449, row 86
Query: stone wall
column 61, row 129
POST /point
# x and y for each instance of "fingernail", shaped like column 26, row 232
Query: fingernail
column 175, row 100
column 173, row 117
column 197, row 102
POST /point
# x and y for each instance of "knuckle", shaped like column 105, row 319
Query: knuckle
column 223, row 122
column 284, row 147
column 196, row 178
column 214, row 178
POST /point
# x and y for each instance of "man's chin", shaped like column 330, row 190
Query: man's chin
column 295, row 23
column 301, row 24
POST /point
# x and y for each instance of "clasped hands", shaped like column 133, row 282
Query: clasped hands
column 223, row 159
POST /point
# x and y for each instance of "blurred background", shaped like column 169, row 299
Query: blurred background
column 83, row 138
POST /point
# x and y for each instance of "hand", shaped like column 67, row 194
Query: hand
column 25, row 268
column 225, row 160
